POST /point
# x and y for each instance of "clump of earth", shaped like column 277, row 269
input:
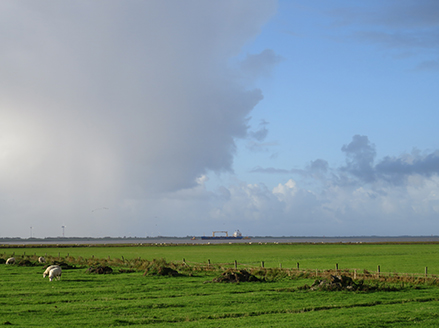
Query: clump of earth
column 231, row 275
column 100, row 270
column 161, row 271
column 344, row 283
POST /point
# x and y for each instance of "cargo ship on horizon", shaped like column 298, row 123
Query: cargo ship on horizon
column 236, row 235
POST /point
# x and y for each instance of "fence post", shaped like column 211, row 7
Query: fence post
column 236, row 264
column 208, row 262
column 280, row 265
column 262, row 264
column 378, row 270
column 336, row 266
column 426, row 271
column 297, row 265
column 355, row 274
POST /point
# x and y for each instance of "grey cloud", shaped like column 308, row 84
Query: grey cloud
column 256, row 141
column 396, row 169
column 392, row 14
column 407, row 13
column 396, row 25
column 360, row 166
column 399, row 39
column 260, row 65
column 428, row 65
column 260, row 146
column 319, row 165
column 315, row 168
column 360, row 154
column 270, row 170
column 106, row 102
column 261, row 133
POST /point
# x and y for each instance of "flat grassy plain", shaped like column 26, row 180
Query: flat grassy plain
column 193, row 300
column 391, row 257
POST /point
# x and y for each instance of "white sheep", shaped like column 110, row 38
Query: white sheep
column 50, row 267
column 10, row 260
column 41, row 259
column 55, row 273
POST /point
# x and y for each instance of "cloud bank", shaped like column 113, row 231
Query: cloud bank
column 109, row 104
column 398, row 195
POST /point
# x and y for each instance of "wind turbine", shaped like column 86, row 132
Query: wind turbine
column 63, row 230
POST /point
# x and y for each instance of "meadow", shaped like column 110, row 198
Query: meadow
column 282, row 297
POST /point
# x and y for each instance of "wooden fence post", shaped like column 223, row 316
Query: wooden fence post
column 208, row 262
column 378, row 270
column 336, row 266
column 426, row 271
column 236, row 264
column 297, row 265
column 262, row 264
column 280, row 265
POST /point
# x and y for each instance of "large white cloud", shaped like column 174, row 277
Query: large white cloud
column 101, row 102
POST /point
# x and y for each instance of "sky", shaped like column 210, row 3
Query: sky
column 170, row 118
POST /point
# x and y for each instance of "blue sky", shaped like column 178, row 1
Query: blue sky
column 295, row 118
column 334, row 83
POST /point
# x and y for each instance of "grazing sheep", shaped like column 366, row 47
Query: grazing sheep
column 50, row 267
column 41, row 259
column 10, row 260
column 55, row 273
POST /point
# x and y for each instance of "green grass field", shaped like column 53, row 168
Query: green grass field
column 402, row 258
column 132, row 299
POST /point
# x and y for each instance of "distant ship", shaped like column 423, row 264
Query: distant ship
column 236, row 235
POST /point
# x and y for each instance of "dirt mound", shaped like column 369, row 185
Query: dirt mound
column 236, row 276
column 335, row 283
column 100, row 270
column 165, row 271
column 340, row 282
column 64, row 265
column 25, row 263
column 161, row 271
